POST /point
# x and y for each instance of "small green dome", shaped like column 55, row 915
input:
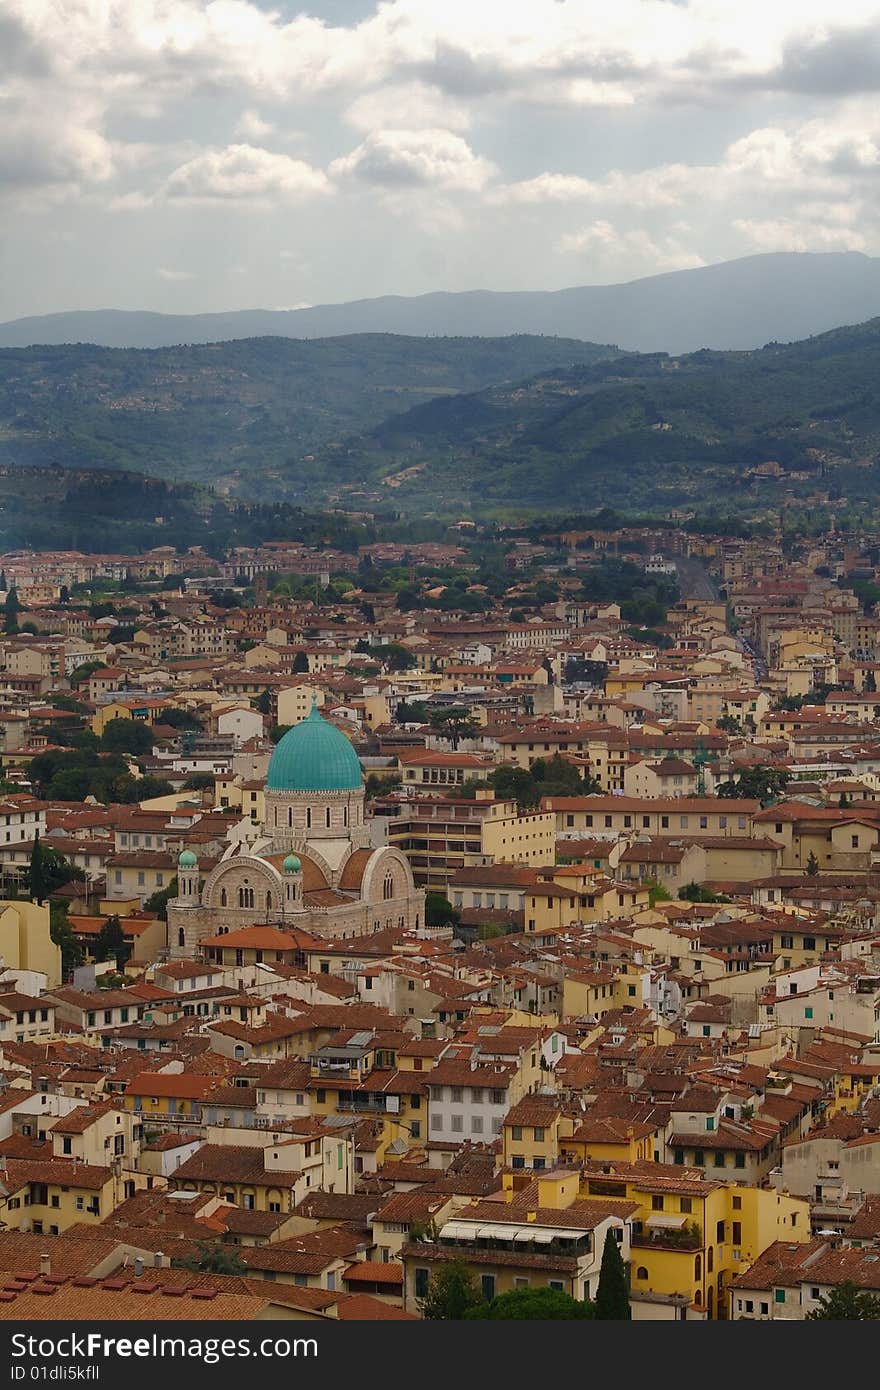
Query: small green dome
column 313, row 756
column 291, row 864
column 187, row 860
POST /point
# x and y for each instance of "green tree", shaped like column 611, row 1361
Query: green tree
column 452, row 1291
column 454, row 724
column 82, row 673
column 812, row 865
column 378, row 785
column 411, row 712
column 300, row 666
column 127, row 736
column 158, row 902
column 394, row 656
column 695, row 893
column 612, row 1295
column 409, row 598
column 214, row 1259
column 758, row 783
column 846, row 1303
column 11, row 609
column 537, row 1304
column 199, row 781
column 728, row 724
column 111, row 941
column 36, row 872
column 263, row 702
column 61, row 933
column 439, row 911
column 658, row 893
column 181, row 719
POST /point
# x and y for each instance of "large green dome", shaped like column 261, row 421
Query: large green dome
column 314, row 757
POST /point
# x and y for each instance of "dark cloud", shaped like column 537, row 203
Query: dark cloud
column 844, row 64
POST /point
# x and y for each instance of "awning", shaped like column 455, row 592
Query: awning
column 456, row 1230
column 666, row 1222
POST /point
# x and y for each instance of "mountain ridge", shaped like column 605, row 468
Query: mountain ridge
column 738, row 304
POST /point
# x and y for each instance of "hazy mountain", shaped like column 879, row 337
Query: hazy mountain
column 735, row 304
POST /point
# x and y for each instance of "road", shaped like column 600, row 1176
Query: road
column 693, row 579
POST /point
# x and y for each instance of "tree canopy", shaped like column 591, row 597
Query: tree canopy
column 612, row 1295
column 846, row 1303
column 534, row 1304
column 452, row 1291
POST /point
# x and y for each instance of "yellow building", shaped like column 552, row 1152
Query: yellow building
column 164, row 1095
column 145, row 711
column 48, row 1195
column 692, row 1235
column 25, row 943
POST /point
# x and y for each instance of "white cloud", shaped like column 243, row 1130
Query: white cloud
column 608, row 244
column 415, row 158
column 785, row 234
column 252, row 126
column 664, row 186
column 245, row 173
column 407, row 106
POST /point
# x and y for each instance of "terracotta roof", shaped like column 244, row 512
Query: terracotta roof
column 232, row 1163
column 353, row 872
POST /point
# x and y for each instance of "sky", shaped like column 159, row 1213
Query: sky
column 198, row 155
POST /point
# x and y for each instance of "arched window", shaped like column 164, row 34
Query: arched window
column 698, row 1266
column 309, row 817
column 345, row 814
column 710, row 1301
column 641, row 1272
column 698, row 1297
column 710, row 1260
column 327, row 817
column 245, row 897
column 223, row 899
column 181, row 937
column 290, row 817
column 268, row 902
column 388, row 887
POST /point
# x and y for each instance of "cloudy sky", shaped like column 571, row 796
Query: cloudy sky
column 193, row 155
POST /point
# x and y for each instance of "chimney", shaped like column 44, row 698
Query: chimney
column 45, row 1264
column 157, row 1259
column 138, row 1267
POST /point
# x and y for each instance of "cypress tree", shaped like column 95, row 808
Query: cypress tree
column 612, row 1295
column 37, row 872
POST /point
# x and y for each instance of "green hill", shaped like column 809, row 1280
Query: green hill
column 246, row 417
column 643, row 431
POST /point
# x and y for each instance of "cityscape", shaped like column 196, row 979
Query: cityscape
column 439, row 675
column 378, row 941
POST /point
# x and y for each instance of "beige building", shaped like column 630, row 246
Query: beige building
column 311, row 865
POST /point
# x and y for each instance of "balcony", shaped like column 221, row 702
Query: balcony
column 668, row 1237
